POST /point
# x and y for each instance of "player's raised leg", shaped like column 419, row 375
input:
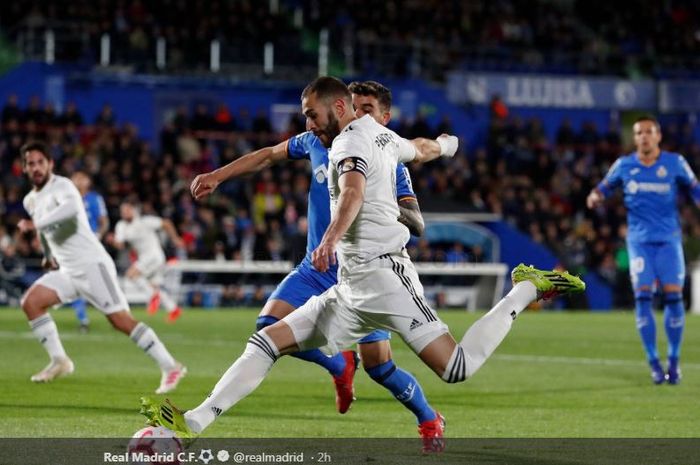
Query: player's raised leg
column 35, row 302
column 457, row 362
column 375, row 353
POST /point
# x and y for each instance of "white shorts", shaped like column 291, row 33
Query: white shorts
column 96, row 282
column 152, row 267
column 382, row 294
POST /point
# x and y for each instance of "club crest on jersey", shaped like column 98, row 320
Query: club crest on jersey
column 321, row 174
column 661, row 172
column 348, row 165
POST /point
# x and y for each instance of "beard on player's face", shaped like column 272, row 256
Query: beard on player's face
column 39, row 178
column 330, row 131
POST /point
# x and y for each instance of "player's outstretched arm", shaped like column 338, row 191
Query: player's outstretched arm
column 204, row 184
column 67, row 208
column 170, row 230
column 352, row 194
column 410, row 216
column 444, row 146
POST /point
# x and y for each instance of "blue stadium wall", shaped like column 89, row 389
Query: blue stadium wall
column 145, row 100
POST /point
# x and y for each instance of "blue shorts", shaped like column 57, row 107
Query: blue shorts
column 656, row 260
column 305, row 282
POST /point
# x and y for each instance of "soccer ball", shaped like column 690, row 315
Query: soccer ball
column 154, row 445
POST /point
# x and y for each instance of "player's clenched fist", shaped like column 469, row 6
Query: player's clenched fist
column 323, row 257
column 203, row 184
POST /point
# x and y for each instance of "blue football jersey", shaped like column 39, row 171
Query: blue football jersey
column 651, row 194
column 404, row 186
column 308, row 146
column 95, row 208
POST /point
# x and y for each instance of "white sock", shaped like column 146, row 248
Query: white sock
column 45, row 330
column 239, row 380
column 482, row 338
column 166, row 301
column 146, row 339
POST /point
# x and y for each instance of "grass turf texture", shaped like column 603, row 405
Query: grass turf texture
column 556, row 375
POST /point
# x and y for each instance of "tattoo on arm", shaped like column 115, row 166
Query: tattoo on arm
column 410, row 216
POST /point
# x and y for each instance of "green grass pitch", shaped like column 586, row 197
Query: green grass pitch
column 576, row 374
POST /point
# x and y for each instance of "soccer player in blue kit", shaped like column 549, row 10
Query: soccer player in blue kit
column 304, row 281
column 99, row 223
column 651, row 179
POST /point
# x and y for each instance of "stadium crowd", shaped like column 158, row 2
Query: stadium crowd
column 537, row 185
column 388, row 37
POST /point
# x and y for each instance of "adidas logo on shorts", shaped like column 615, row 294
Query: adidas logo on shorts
column 414, row 324
column 217, row 411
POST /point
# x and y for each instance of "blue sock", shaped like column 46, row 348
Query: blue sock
column 404, row 386
column 80, row 308
column 335, row 364
column 674, row 321
column 646, row 324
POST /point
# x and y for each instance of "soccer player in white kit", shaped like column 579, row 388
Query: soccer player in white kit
column 141, row 233
column 378, row 286
column 86, row 270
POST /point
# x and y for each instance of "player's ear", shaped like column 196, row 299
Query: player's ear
column 342, row 106
column 386, row 117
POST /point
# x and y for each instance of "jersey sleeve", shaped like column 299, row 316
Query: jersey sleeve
column 404, row 186
column 406, row 150
column 152, row 222
column 686, row 178
column 351, row 152
column 612, row 180
column 69, row 204
column 297, row 148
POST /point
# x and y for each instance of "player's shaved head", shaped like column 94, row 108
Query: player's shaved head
column 327, row 89
column 373, row 89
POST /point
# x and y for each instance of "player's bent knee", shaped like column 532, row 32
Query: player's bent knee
column 276, row 308
column 374, row 354
column 281, row 337
column 264, row 321
column 457, row 369
column 37, row 300
column 642, row 294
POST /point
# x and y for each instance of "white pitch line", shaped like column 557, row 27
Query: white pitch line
column 578, row 360
column 183, row 339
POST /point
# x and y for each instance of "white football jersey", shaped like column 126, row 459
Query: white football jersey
column 374, row 150
column 142, row 234
column 71, row 241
